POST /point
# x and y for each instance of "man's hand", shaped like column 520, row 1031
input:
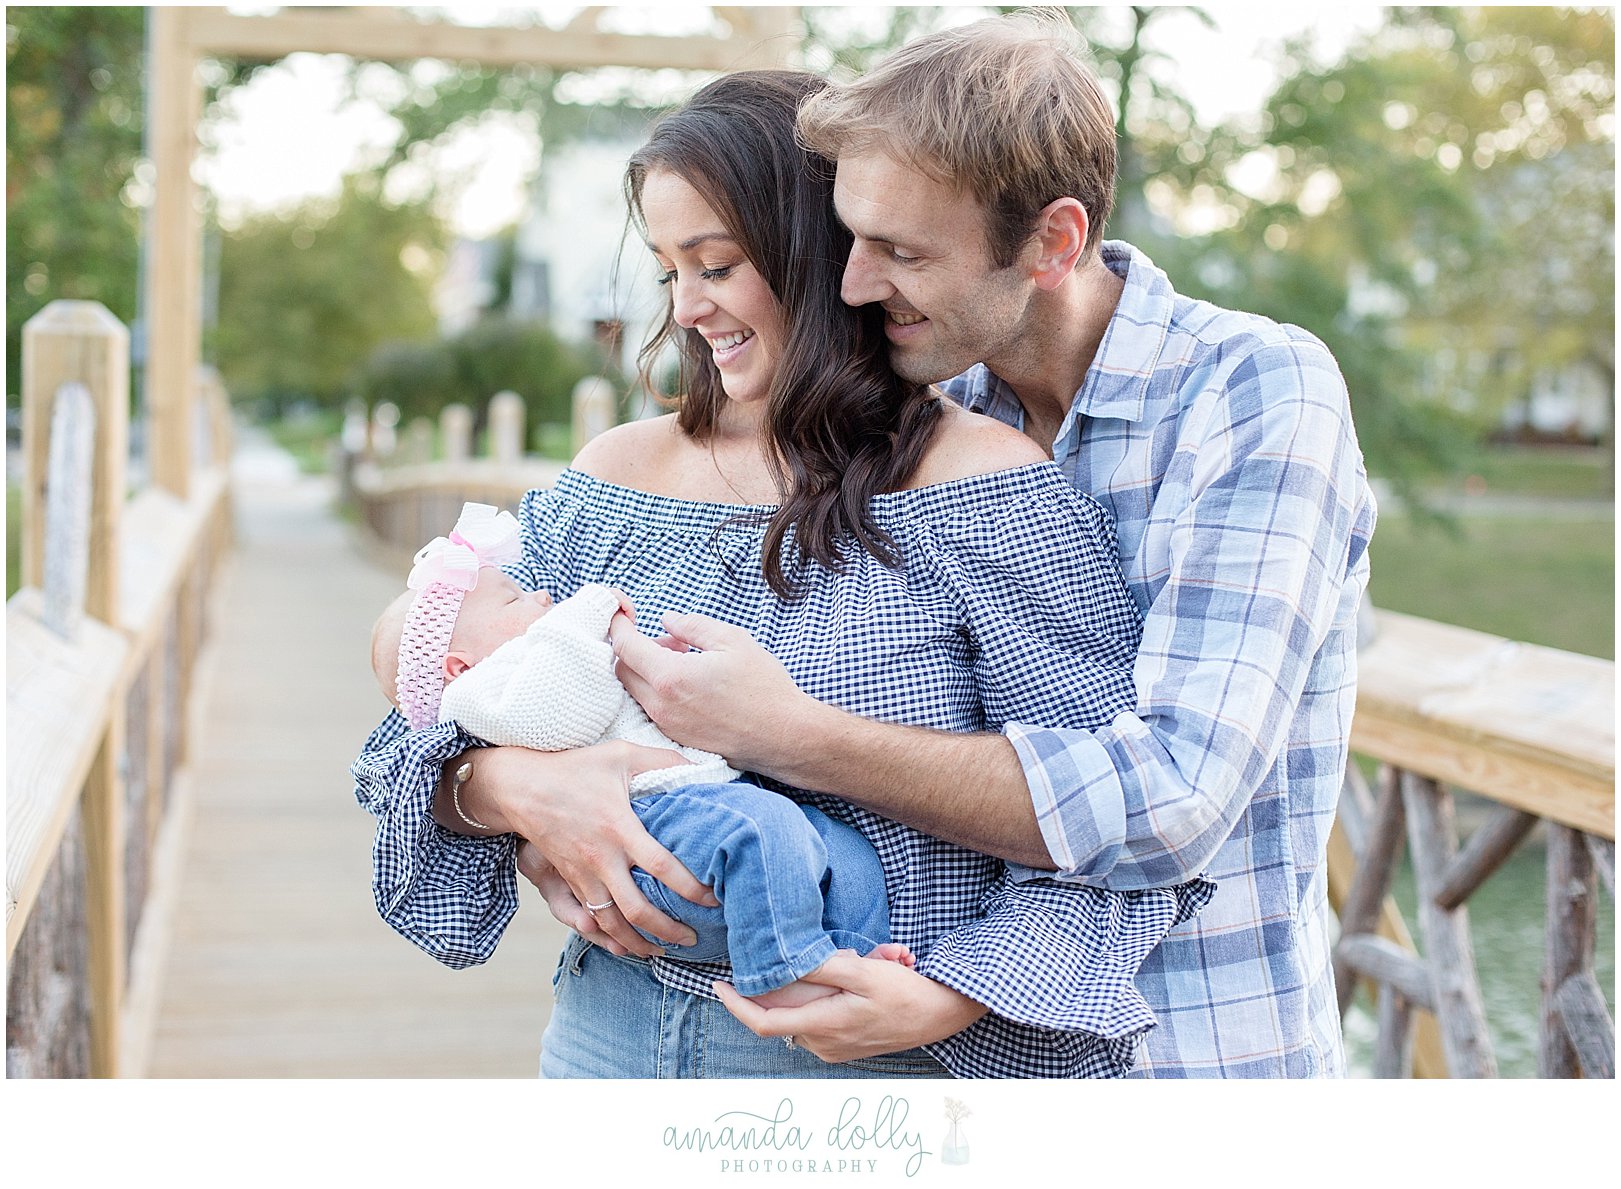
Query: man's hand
column 573, row 808
column 730, row 696
column 882, row 1007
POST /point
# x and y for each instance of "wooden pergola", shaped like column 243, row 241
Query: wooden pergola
column 742, row 38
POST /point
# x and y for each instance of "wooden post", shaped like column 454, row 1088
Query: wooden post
column 1572, row 929
column 1490, row 845
column 419, row 440
column 174, row 249
column 1392, row 1055
column 77, row 342
column 67, row 508
column 1375, row 867
column 103, row 821
column 506, row 427
column 456, row 432
column 383, row 439
column 593, row 400
column 1433, row 837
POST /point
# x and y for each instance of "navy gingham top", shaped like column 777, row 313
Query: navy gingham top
column 1010, row 605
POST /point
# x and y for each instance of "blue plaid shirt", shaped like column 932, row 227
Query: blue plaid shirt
column 1222, row 444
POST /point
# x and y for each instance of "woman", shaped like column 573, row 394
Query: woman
column 902, row 558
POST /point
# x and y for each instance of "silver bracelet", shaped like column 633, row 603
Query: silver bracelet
column 459, row 778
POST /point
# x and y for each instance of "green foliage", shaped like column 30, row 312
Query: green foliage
column 493, row 355
column 73, row 141
column 305, row 295
column 1437, row 207
column 1535, row 576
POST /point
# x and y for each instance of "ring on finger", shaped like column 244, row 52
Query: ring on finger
column 593, row 909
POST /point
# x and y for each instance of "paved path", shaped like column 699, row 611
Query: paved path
column 279, row 965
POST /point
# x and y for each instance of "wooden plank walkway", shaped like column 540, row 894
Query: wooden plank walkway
column 278, row 965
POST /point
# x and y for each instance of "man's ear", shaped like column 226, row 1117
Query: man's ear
column 1060, row 238
column 456, row 664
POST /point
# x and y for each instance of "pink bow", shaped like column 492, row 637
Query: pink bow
column 482, row 537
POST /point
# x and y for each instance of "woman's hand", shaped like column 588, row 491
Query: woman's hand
column 881, row 1007
column 573, row 810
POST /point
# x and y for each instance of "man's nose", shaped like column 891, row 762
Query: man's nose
column 863, row 283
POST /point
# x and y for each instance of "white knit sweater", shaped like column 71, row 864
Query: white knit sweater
column 553, row 688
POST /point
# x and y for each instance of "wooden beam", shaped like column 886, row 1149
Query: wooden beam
column 1429, row 1058
column 174, row 249
column 1602, row 853
column 1572, row 929
column 102, row 815
column 216, row 31
column 1392, row 1053
column 1374, row 870
column 77, row 342
column 1433, row 837
column 1527, row 726
column 1587, row 1024
column 1484, row 853
column 1385, row 962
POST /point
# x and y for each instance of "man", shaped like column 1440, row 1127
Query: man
column 975, row 170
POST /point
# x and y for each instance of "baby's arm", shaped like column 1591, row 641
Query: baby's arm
column 552, row 688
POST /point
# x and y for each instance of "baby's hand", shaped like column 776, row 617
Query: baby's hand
column 625, row 605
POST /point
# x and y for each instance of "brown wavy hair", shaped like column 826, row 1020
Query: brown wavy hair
column 842, row 426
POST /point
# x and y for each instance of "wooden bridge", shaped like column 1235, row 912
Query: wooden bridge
column 187, row 682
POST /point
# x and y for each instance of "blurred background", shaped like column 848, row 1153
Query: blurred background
column 1428, row 189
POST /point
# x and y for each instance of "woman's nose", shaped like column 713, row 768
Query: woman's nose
column 691, row 302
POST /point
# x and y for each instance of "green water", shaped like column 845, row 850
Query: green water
column 1507, row 925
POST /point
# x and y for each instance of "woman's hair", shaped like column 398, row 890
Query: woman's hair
column 841, row 425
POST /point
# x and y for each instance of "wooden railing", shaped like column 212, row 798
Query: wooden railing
column 102, row 646
column 1530, row 729
column 1438, row 708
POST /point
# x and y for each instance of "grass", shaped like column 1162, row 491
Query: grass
column 1543, row 580
column 308, row 438
column 1544, row 472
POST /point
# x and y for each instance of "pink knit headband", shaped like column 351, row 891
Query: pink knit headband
column 442, row 573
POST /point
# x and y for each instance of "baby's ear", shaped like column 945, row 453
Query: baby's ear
column 455, row 665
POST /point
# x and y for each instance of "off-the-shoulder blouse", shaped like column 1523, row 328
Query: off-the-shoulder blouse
column 1008, row 604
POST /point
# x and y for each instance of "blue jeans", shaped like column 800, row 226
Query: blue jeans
column 794, row 885
column 612, row 1019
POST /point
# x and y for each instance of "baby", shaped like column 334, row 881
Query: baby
column 465, row 643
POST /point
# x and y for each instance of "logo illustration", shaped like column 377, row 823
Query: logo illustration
column 955, row 1148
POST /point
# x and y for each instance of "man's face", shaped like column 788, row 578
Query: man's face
column 920, row 252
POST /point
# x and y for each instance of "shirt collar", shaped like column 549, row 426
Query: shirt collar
column 1116, row 385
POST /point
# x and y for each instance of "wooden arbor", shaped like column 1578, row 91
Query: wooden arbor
column 742, row 38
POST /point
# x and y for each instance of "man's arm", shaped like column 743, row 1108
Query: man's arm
column 733, row 697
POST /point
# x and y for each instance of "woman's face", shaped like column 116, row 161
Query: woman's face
column 715, row 289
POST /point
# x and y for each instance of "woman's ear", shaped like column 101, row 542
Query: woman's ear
column 1060, row 238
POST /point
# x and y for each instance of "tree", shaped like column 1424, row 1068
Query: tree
column 1397, row 204
column 73, row 143
column 306, row 296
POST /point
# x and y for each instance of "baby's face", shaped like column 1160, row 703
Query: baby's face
column 493, row 612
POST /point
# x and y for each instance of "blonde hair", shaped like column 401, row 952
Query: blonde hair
column 1005, row 109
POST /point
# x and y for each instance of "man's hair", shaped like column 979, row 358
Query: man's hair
column 1005, row 109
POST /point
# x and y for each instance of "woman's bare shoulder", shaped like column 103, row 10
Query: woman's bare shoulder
column 967, row 444
column 633, row 453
